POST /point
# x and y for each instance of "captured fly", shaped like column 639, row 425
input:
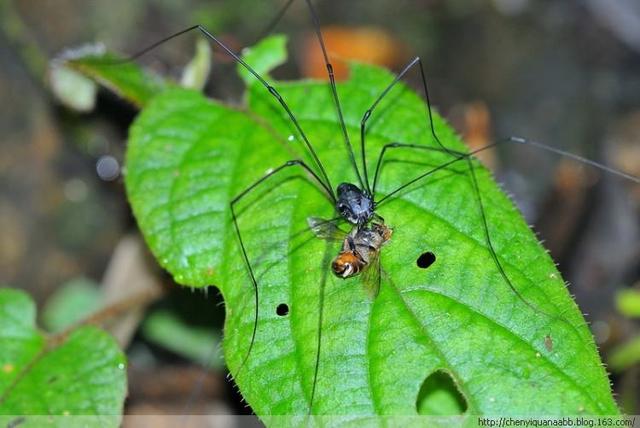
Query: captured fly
column 360, row 253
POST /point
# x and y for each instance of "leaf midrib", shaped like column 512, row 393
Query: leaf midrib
column 509, row 332
column 481, row 246
column 416, row 320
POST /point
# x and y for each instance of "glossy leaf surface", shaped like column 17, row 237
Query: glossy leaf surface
column 337, row 352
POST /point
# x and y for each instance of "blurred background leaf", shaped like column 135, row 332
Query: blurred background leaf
column 197, row 344
column 73, row 89
column 628, row 302
column 626, row 355
column 79, row 373
column 70, row 304
column 196, row 73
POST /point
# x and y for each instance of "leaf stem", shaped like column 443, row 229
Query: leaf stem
column 99, row 317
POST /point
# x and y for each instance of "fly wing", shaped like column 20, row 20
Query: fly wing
column 371, row 275
column 326, row 229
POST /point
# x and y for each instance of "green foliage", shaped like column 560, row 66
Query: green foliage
column 627, row 354
column 628, row 303
column 109, row 70
column 189, row 156
column 71, row 303
column 81, row 373
column 264, row 57
column 73, row 89
column 196, row 73
column 199, row 344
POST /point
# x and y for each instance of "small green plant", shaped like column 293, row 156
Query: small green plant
column 453, row 336
column 628, row 354
column 79, row 371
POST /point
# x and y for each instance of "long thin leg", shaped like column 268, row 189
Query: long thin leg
column 254, row 282
column 509, row 140
column 457, row 154
column 388, row 146
column 334, row 92
column 273, row 91
column 276, row 19
column 323, row 281
column 367, row 114
column 332, row 81
column 468, row 157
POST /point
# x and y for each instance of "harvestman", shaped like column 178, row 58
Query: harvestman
column 357, row 204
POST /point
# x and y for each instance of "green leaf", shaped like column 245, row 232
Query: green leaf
column 182, row 171
column 73, row 89
column 199, row 344
column 71, row 303
column 82, row 373
column 625, row 355
column 196, row 73
column 628, row 303
column 188, row 157
column 122, row 76
column 264, row 57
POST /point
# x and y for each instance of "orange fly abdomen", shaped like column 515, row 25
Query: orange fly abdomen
column 347, row 264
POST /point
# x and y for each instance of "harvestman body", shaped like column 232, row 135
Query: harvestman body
column 361, row 247
column 356, row 204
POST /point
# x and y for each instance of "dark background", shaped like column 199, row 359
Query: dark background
column 563, row 73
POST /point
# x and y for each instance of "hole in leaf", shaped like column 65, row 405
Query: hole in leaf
column 440, row 396
column 282, row 309
column 426, row 259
